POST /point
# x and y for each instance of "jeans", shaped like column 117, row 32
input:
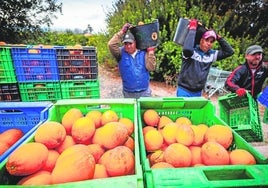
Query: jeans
column 182, row 92
column 136, row 95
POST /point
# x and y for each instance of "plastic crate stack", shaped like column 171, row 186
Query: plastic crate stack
column 9, row 89
column 78, row 72
column 37, row 73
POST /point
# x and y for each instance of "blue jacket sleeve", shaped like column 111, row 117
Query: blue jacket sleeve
column 226, row 49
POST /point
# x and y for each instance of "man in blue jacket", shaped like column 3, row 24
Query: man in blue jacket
column 197, row 60
column 249, row 76
column 134, row 64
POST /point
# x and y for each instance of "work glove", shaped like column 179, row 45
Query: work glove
column 150, row 49
column 241, row 92
column 192, row 24
column 125, row 28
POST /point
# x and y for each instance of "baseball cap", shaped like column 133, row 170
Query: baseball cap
column 254, row 49
column 128, row 37
column 209, row 33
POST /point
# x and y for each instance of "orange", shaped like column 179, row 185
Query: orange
column 198, row 135
column 76, row 163
column 169, row 132
column 51, row 160
column 153, row 140
column 156, row 157
column 128, row 123
column 95, row 115
column 196, row 155
column 147, row 128
column 118, row 161
column 162, row 165
column 82, row 130
column 96, row 150
column 100, row 172
column 41, row 177
column 50, row 133
column 241, row 157
column 109, row 116
column 67, row 142
column 213, row 153
column 27, row 159
column 178, row 155
column 69, row 118
column 202, row 128
column 130, row 143
column 151, row 117
column 185, row 135
column 221, row 134
column 164, row 120
column 110, row 135
column 183, row 121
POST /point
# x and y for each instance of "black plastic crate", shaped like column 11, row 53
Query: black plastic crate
column 77, row 63
column 9, row 92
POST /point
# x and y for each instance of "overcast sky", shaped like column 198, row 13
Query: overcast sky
column 78, row 14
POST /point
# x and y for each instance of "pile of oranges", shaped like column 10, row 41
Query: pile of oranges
column 80, row 147
column 178, row 143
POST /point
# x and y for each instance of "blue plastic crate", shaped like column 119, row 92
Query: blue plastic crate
column 263, row 98
column 35, row 64
column 26, row 116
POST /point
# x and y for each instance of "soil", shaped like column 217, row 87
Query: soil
column 111, row 87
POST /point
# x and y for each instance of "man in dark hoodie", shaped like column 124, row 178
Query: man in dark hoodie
column 249, row 76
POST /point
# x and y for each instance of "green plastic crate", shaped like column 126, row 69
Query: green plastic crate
column 242, row 115
column 39, row 91
column 7, row 71
column 265, row 116
column 198, row 110
column 78, row 89
column 124, row 108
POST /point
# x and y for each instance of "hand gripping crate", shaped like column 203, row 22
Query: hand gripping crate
column 35, row 64
column 242, row 115
column 77, row 63
column 124, row 108
column 200, row 111
column 26, row 116
column 7, row 71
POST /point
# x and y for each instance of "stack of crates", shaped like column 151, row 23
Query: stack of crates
column 9, row 89
column 37, row 73
column 78, row 72
column 242, row 115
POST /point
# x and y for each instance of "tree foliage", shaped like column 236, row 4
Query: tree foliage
column 22, row 20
